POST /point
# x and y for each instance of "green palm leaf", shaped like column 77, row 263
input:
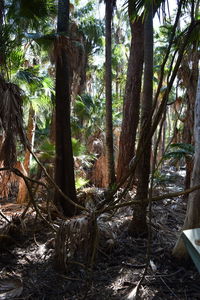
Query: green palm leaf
column 181, row 150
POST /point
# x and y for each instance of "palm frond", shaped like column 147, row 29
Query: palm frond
column 6, row 43
column 194, row 36
column 180, row 151
column 189, row 148
column 16, row 58
column 45, row 41
column 47, row 151
column 79, row 234
column 177, row 155
column 11, row 121
column 80, row 182
column 30, row 13
column 78, row 148
column 28, row 77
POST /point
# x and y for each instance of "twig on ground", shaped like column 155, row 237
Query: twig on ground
column 154, row 199
column 25, row 210
column 169, row 288
column 4, row 217
column 167, row 275
column 70, row 278
column 133, row 265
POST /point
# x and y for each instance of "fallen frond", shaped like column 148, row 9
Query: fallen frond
column 80, row 237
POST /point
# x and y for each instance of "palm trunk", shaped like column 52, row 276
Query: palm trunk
column 164, row 136
column 83, row 76
column 1, row 27
column 31, row 137
column 109, row 122
column 22, row 196
column 189, row 78
column 64, row 169
column 138, row 224
column 132, row 98
column 52, row 134
column 192, row 219
column 117, row 82
column 1, row 12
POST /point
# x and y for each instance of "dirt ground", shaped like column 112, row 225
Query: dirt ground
column 28, row 254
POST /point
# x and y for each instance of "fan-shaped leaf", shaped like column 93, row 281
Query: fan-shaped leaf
column 180, row 150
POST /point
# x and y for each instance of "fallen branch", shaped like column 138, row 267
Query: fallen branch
column 154, row 199
column 4, row 217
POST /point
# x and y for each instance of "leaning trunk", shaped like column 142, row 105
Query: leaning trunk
column 64, row 169
column 138, row 224
column 192, row 219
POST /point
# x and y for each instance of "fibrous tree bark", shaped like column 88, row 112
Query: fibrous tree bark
column 132, row 96
column 138, row 224
column 22, row 196
column 188, row 73
column 1, row 28
column 64, row 168
column 1, row 15
column 1, row 11
column 108, row 84
column 192, row 219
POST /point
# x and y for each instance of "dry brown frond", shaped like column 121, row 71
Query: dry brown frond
column 11, row 121
column 61, row 43
column 99, row 173
column 74, row 240
column 72, row 48
column 78, row 237
column 5, row 186
column 7, row 179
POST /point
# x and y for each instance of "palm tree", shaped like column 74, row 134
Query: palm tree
column 138, row 223
column 108, row 82
column 64, row 169
column 132, row 94
column 192, row 219
column 193, row 209
column 1, row 29
column 139, row 220
column 189, row 78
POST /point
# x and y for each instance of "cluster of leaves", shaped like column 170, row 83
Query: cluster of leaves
column 180, row 150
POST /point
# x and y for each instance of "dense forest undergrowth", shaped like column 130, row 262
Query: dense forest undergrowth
column 99, row 148
column 28, row 252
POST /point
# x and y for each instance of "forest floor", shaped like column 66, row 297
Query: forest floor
column 28, row 255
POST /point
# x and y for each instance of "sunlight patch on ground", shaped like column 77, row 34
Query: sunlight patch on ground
column 182, row 173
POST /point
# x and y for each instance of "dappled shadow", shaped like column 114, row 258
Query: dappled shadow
column 113, row 276
column 116, row 271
